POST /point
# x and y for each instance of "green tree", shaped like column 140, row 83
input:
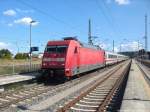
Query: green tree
column 5, row 54
column 21, row 56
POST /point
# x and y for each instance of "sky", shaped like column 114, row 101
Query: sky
column 118, row 20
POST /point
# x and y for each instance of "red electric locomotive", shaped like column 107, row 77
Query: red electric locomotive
column 69, row 57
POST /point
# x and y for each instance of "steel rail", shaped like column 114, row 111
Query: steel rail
column 38, row 92
column 74, row 101
column 117, row 85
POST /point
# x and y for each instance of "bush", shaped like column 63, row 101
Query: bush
column 5, row 54
column 21, row 56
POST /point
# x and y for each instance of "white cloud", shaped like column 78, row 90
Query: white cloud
column 131, row 46
column 126, row 46
column 102, row 45
column 9, row 12
column 122, row 2
column 10, row 46
column 116, row 49
column 4, row 45
column 25, row 21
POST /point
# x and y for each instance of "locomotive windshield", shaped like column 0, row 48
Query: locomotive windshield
column 56, row 49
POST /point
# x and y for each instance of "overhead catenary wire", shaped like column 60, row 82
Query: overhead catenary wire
column 146, row 42
column 104, row 14
column 108, row 16
column 114, row 23
column 50, row 16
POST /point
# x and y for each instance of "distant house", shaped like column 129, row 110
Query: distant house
column 40, row 55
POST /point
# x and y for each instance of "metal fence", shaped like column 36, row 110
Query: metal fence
column 19, row 68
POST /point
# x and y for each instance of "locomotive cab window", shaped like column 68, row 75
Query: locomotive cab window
column 61, row 49
column 56, row 49
column 75, row 50
column 51, row 49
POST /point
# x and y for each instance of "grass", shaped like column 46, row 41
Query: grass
column 17, row 62
column 18, row 66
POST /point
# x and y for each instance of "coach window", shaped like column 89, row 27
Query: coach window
column 75, row 50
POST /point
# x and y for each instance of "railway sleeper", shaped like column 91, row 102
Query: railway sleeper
column 17, row 95
column 73, row 109
column 101, row 90
column 90, row 102
column 92, row 99
column 84, row 107
column 98, row 94
column 4, row 100
column 105, row 87
column 29, row 92
column 24, row 94
column 11, row 98
column 92, row 96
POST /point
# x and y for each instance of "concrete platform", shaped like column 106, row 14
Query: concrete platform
column 137, row 92
column 16, row 78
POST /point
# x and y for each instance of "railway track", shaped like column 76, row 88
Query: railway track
column 145, row 69
column 37, row 92
column 146, row 62
column 101, row 95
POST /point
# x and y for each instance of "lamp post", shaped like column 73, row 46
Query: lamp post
column 113, row 45
column 17, row 47
column 30, row 52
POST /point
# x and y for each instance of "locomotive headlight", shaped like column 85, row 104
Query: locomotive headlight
column 46, row 59
column 67, row 72
column 67, row 69
column 44, row 64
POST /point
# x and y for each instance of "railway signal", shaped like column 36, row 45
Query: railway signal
column 34, row 49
